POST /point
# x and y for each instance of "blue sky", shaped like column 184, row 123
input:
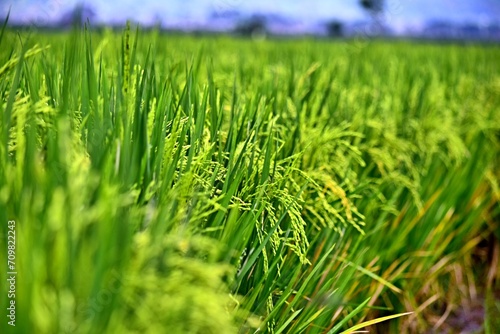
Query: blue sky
column 177, row 12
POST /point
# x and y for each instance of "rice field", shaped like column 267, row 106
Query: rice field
column 178, row 184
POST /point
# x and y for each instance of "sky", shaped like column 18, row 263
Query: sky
column 398, row 14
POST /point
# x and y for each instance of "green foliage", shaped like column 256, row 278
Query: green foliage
column 167, row 184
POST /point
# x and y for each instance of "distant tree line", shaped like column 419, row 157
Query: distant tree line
column 375, row 8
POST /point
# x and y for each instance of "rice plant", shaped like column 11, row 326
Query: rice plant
column 177, row 184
